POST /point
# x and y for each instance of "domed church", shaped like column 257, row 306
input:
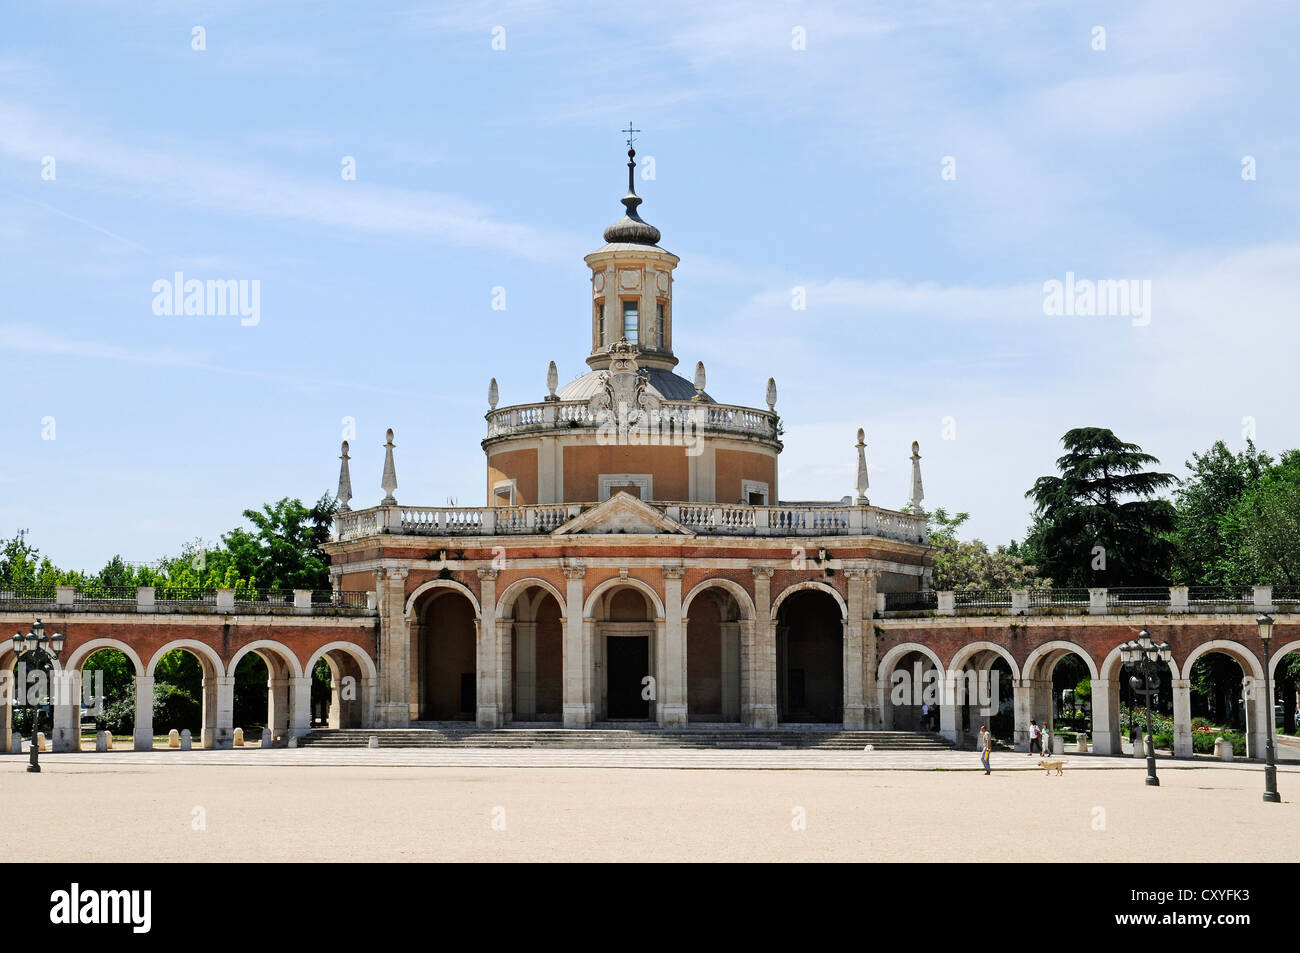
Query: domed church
column 633, row 560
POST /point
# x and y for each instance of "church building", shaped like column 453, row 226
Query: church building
column 633, row 558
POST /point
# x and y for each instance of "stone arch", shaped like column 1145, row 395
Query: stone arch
column 1064, row 647
column 451, row 584
column 1234, row 650
column 518, row 588
column 968, row 651
column 1276, row 659
column 282, row 651
column 656, row 603
column 359, row 655
column 1111, row 666
column 898, row 651
column 738, row 592
column 202, row 650
column 816, row 585
column 891, row 714
column 86, row 650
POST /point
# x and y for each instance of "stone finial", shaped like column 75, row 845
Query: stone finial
column 390, row 471
column 918, row 492
column 552, row 380
column 699, row 379
column 863, row 483
column 345, row 480
column 771, row 393
column 493, row 394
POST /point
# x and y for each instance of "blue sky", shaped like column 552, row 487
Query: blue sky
column 775, row 168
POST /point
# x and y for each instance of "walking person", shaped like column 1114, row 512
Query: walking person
column 1046, row 746
column 925, row 717
column 1035, row 737
column 986, row 747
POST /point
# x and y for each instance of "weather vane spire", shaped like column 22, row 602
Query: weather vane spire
column 631, row 138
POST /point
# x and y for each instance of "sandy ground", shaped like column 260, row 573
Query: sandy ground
column 143, row 808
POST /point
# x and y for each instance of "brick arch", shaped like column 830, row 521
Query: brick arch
column 87, row 649
column 279, row 648
column 201, row 649
column 451, row 584
column 813, row 585
column 969, row 650
column 737, row 591
column 1061, row 645
column 1234, row 650
column 517, row 588
column 640, row 585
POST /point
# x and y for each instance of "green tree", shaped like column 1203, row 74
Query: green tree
column 284, row 550
column 1206, row 546
column 968, row 565
column 1100, row 522
column 1264, row 525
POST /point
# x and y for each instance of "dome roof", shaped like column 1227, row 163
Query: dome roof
column 664, row 384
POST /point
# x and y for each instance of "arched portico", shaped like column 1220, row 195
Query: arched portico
column 218, row 702
column 1105, row 707
column 903, row 691
column 1259, row 710
column 288, row 693
column 1039, row 668
column 67, row 717
column 530, row 636
column 353, row 684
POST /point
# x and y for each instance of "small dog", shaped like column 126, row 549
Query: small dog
column 1052, row 765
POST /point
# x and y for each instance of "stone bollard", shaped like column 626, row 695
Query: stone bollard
column 15, row 743
column 186, row 740
column 268, row 737
column 1081, row 743
column 42, row 744
column 239, row 738
column 374, row 741
column 293, row 741
column 1223, row 749
column 103, row 741
column 1058, row 744
column 173, row 739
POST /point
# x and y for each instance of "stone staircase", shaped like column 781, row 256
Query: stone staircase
column 623, row 736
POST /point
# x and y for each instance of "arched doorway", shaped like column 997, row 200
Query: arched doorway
column 536, row 657
column 810, row 658
column 1224, row 683
column 186, row 678
column 265, row 678
column 912, row 680
column 342, row 687
column 108, row 695
column 713, row 657
column 624, row 648
column 1061, row 676
column 1285, row 677
column 447, row 657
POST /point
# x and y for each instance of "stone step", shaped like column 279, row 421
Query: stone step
column 444, row 736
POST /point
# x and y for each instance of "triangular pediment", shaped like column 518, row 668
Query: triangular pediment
column 622, row 513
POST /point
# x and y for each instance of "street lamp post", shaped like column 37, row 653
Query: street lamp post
column 1147, row 657
column 32, row 645
column 1265, row 623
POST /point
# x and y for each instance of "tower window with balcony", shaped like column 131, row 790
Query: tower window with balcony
column 661, row 341
column 630, row 321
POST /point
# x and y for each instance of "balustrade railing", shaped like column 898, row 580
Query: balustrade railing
column 672, row 416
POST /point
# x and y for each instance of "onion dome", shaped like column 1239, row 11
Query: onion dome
column 631, row 229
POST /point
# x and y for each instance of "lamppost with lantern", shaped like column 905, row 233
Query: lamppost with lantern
column 32, row 645
column 1265, row 623
column 1147, row 657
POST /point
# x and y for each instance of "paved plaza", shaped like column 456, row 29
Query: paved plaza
column 644, row 805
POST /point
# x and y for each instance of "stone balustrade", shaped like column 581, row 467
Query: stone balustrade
column 175, row 599
column 672, row 416
column 708, row 519
column 1163, row 600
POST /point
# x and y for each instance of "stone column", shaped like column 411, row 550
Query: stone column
column 672, row 707
column 1105, row 717
column 489, row 709
column 732, row 653
column 300, row 720
column 279, row 714
column 526, row 670
column 1258, row 711
column 854, row 705
column 761, row 660
column 1182, row 689
column 218, row 712
column 505, row 670
column 65, row 696
column 1023, row 697
column 393, row 708
column 143, row 732
column 950, row 712
column 577, row 705
column 873, row 716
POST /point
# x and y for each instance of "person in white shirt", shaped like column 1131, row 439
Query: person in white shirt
column 986, row 746
column 1035, row 737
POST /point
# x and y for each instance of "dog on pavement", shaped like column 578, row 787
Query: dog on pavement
column 1052, row 766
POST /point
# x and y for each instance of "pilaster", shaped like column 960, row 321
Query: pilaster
column 761, row 658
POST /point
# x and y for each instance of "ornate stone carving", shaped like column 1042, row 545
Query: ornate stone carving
column 624, row 396
column 661, row 282
column 488, row 573
column 599, row 282
column 629, row 280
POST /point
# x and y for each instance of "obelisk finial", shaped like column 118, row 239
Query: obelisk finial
column 345, row 480
column 552, row 381
column 700, row 380
column 390, row 471
column 863, row 483
column 918, row 492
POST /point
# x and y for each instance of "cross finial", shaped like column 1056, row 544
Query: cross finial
column 630, row 137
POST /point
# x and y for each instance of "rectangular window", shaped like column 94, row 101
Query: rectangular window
column 630, row 321
column 661, row 340
column 602, row 324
